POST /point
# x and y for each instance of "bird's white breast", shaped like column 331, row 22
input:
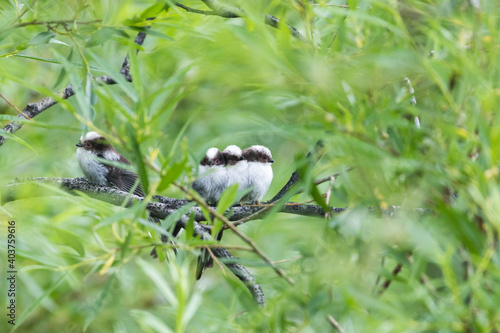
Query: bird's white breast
column 94, row 171
column 260, row 176
column 238, row 174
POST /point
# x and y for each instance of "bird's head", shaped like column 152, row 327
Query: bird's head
column 258, row 153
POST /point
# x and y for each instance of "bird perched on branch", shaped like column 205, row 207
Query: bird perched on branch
column 211, row 184
column 93, row 146
column 237, row 167
column 260, row 172
column 213, row 176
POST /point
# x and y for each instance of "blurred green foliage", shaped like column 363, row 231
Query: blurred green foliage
column 202, row 81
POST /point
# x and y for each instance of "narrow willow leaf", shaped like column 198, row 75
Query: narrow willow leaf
column 99, row 303
column 102, row 35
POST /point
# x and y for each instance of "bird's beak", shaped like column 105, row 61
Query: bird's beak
column 271, row 161
column 79, row 144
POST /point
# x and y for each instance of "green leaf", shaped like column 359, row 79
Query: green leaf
column 217, row 227
column 55, row 61
column 159, row 281
column 141, row 167
column 126, row 243
column 154, row 10
column 99, row 303
column 151, row 321
column 102, row 35
column 319, row 198
column 33, row 305
column 57, row 41
column 71, row 240
column 171, row 175
column 42, row 38
column 63, row 75
column 227, row 198
column 171, row 220
column 158, row 34
column 190, row 227
column 17, row 139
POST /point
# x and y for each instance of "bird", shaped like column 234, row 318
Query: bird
column 93, row 146
column 260, row 172
column 237, row 167
column 210, row 185
column 213, row 176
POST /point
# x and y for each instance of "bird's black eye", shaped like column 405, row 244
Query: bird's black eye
column 87, row 144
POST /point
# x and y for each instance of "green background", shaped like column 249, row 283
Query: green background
column 201, row 81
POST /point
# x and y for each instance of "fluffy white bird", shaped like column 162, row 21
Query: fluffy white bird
column 260, row 172
column 213, row 176
column 93, row 146
column 237, row 167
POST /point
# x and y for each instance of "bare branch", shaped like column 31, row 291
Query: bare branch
column 34, row 109
column 219, row 10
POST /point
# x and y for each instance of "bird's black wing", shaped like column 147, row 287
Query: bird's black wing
column 123, row 179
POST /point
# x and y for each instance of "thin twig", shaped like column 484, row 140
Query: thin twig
column 217, row 260
column 194, row 10
column 55, row 22
column 15, row 107
column 335, row 324
column 335, row 175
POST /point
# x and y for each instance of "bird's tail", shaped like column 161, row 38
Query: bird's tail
column 165, row 238
column 205, row 260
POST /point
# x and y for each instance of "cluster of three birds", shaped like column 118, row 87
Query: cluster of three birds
column 249, row 168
